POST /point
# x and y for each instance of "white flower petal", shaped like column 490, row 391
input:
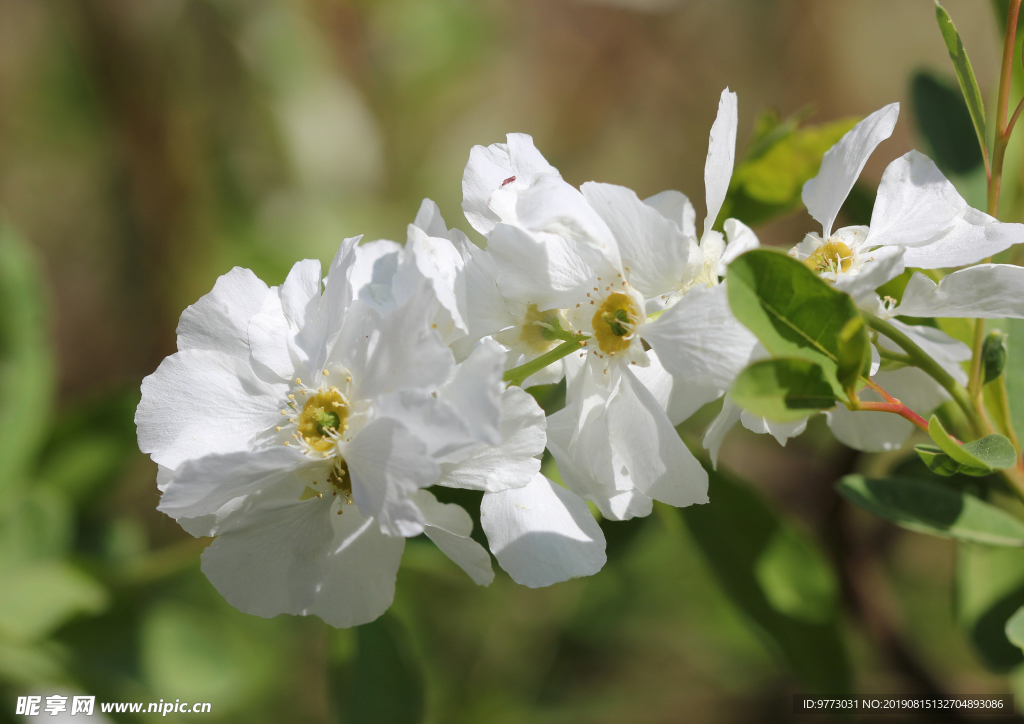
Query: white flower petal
column 388, row 465
column 373, row 273
column 513, row 462
column 675, row 207
column 407, row 353
column 973, row 237
column 659, row 463
column 358, row 573
column 220, row 320
column 824, row 194
column 653, row 248
column 300, row 293
column 871, row 431
column 541, row 269
column 200, row 487
column 945, row 350
column 438, row 261
column 781, row 431
column 335, row 301
column 429, row 220
column 741, row 239
column 719, row 428
column 449, row 526
column 542, row 534
column 699, row 341
column 885, row 263
column 553, row 206
column 990, row 291
column 721, row 156
column 915, row 203
column 677, row 396
column 474, row 390
column 487, row 314
column 272, row 560
column 200, row 402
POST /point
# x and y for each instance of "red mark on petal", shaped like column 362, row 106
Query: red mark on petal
column 509, row 180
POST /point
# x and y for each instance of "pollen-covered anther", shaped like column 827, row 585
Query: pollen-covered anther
column 832, row 256
column 614, row 323
column 323, row 419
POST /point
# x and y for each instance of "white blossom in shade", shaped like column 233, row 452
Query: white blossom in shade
column 919, row 219
column 987, row 291
column 542, row 533
column 463, row 281
column 299, row 425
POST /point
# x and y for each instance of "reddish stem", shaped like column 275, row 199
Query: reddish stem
column 897, row 408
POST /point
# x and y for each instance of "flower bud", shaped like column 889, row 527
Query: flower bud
column 993, row 356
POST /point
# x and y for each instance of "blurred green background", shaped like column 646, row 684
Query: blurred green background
column 148, row 147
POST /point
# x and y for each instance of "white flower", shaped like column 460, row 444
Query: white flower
column 283, row 406
column 919, row 219
column 538, row 537
column 563, row 254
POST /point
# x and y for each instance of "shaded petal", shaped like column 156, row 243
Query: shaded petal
column 373, row 273
column 388, row 465
column 201, row 487
column 741, row 239
column 675, row 207
column 719, row 428
column 973, row 237
column 220, row 319
column 653, row 248
column 659, row 463
column 429, row 220
column 886, row 263
column 200, row 402
column 358, row 573
column 915, row 203
column 438, row 261
column 449, row 526
column 541, row 269
column 938, row 345
column 406, row 353
column 487, row 314
column 989, row 291
column 272, row 560
column 824, row 194
column 721, row 156
column 514, row 461
column 553, row 206
column 474, row 390
column 699, row 341
column 542, row 533
column 781, row 431
column 677, row 396
column 881, row 431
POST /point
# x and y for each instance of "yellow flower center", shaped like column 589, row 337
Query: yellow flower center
column 323, row 418
column 541, row 329
column 830, row 257
column 614, row 322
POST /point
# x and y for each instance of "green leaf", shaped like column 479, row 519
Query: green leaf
column 790, row 309
column 26, row 361
column 980, row 457
column 384, row 682
column 930, row 507
column 783, row 389
column 964, row 72
column 36, row 599
column 854, row 353
column 1015, row 628
column 778, row 577
column 989, row 590
column 937, row 461
column 780, row 158
column 945, row 123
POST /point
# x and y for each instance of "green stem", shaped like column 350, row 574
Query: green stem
column 894, row 356
column 517, row 375
column 919, row 358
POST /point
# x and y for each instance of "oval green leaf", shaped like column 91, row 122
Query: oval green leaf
column 783, row 389
column 980, row 457
column 927, row 507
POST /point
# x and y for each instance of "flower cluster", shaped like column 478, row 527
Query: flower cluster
column 303, row 425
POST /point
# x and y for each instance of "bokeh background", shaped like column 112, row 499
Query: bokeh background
column 148, row 147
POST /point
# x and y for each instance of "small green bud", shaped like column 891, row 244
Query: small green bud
column 993, row 356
